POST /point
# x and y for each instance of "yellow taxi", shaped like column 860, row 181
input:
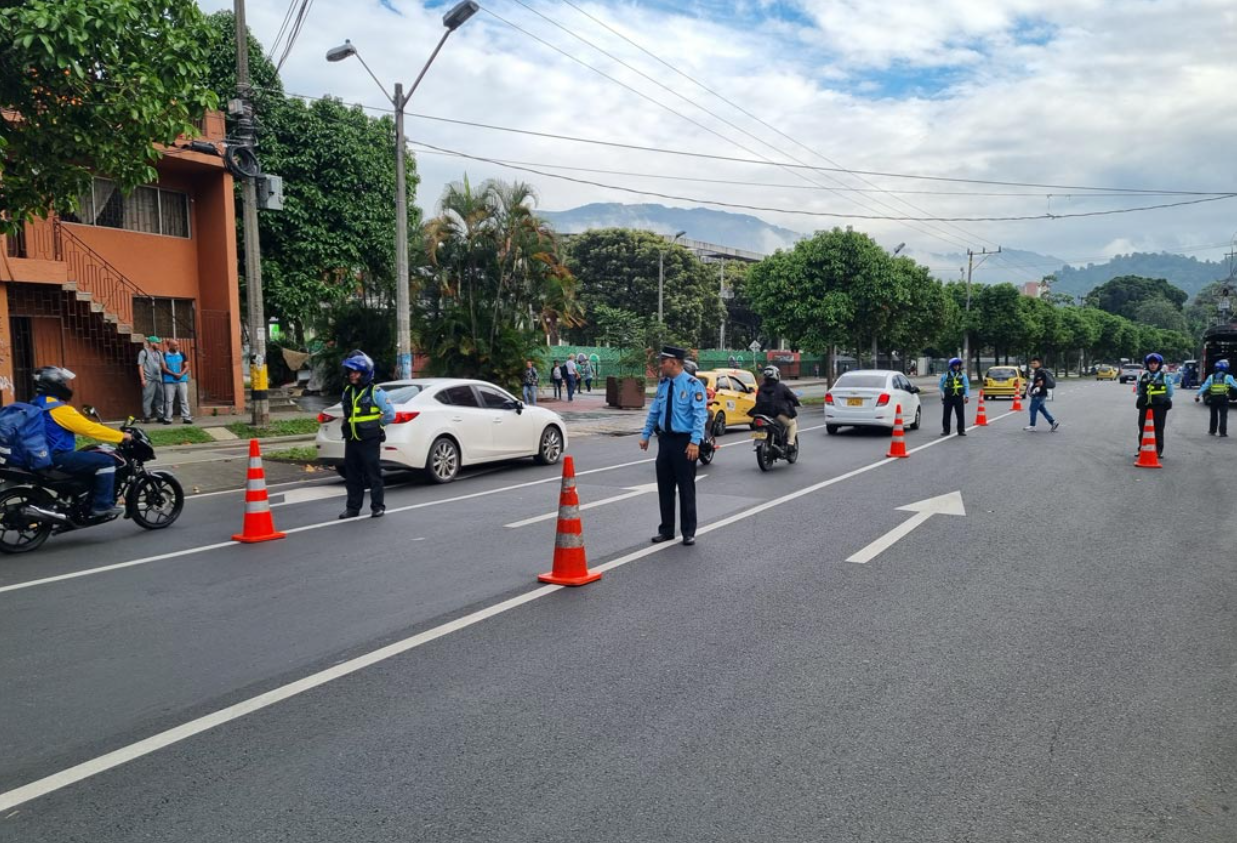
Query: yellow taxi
column 734, row 396
column 1002, row 382
column 1106, row 373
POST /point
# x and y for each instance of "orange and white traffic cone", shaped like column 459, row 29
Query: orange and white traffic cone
column 1147, row 456
column 259, row 527
column 981, row 416
column 897, row 447
column 1017, row 408
column 570, row 564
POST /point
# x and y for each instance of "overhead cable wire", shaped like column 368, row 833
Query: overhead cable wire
column 283, row 28
column 803, row 212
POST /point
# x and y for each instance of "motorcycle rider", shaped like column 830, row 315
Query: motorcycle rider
column 53, row 387
column 776, row 399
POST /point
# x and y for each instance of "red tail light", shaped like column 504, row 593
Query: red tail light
column 758, row 423
column 400, row 418
column 323, row 418
column 828, row 397
column 883, row 400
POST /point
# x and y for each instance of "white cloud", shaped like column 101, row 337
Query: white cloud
column 1109, row 92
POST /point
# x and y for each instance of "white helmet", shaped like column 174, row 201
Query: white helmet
column 772, row 373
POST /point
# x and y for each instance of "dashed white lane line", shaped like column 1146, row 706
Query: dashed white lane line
column 49, row 784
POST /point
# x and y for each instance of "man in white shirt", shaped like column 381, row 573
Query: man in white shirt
column 569, row 378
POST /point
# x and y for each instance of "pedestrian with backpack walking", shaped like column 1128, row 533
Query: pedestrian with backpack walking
column 1041, row 384
column 556, row 378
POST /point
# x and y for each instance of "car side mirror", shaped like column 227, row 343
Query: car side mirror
column 518, row 406
column 914, row 390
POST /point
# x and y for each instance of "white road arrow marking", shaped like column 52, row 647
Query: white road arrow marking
column 632, row 492
column 950, row 504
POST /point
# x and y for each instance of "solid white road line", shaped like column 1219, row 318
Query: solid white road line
column 49, row 784
column 190, row 551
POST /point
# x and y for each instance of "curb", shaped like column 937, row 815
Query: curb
column 215, row 446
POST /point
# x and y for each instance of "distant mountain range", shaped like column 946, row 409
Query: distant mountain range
column 739, row 231
column 743, row 231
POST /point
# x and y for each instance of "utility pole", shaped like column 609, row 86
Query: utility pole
column 970, row 268
column 721, row 292
column 259, row 401
column 403, row 295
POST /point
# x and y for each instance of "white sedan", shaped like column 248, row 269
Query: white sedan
column 442, row 424
column 869, row 398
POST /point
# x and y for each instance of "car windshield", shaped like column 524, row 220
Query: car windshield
column 403, row 394
column 1132, row 367
column 861, row 382
column 1002, row 374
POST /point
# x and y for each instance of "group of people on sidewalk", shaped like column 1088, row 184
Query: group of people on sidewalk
column 575, row 374
column 164, row 373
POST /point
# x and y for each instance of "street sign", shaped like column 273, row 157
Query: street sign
column 754, row 347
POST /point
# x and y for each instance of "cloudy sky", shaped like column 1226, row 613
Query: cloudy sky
column 1106, row 93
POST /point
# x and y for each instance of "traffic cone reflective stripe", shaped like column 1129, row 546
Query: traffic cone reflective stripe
column 897, row 446
column 1147, row 456
column 981, row 416
column 570, row 561
column 258, row 526
column 1017, row 398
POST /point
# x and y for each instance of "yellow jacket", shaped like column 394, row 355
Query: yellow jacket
column 74, row 422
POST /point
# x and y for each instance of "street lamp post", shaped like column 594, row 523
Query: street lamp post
column 452, row 21
column 661, row 277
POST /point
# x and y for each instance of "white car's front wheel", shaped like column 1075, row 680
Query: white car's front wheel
column 443, row 462
column 550, row 448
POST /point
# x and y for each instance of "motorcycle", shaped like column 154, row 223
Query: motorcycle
column 37, row 504
column 770, row 437
column 708, row 445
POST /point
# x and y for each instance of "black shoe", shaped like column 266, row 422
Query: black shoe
column 689, row 540
column 110, row 512
column 945, row 433
column 148, row 421
column 165, row 421
column 378, row 512
column 188, row 421
column 349, row 513
column 659, row 538
column 962, row 433
column 1223, row 435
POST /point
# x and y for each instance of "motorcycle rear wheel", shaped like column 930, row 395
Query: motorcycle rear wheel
column 20, row 533
column 764, row 456
column 706, row 453
column 156, row 501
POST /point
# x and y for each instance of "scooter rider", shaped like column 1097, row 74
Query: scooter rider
column 776, row 399
column 63, row 423
column 1216, row 386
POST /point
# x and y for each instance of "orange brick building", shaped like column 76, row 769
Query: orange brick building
column 84, row 291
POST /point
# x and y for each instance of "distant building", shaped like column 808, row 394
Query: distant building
column 1033, row 289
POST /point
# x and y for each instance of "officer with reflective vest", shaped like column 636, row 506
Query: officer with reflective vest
column 955, row 389
column 678, row 414
column 1216, row 389
column 1155, row 392
column 367, row 409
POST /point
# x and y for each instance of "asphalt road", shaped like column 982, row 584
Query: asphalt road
column 1056, row 665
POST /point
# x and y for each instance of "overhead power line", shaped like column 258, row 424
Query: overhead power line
column 836, row 215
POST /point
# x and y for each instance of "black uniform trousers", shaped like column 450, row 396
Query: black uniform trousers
column 674, row 469
column 955, row 404
column 362, row 467
column 1159, row 414
column 1219, row 414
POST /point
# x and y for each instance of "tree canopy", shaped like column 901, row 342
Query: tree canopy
column 1123, row 295
column 92, row 86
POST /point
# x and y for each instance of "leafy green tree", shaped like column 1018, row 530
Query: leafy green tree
column 618, row 267
column 1124, row 294
column 1160, row 313
column 921, row 308
column 92, row 86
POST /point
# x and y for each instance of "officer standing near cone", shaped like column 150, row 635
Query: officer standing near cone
column 1216, row 389
column 366, row 411
column 1155, row 392
column 955, row 394
column 678, row 414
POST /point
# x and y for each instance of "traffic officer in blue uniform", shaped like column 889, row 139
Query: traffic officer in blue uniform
column 955, row 389
column 678, row 415
column 1216, row 389
column 1155, row 392
column 367, row 410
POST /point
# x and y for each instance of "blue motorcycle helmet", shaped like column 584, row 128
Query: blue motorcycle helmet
column 1153, row 357
column 359, row 361
column 955, row 361
column 1221, row 365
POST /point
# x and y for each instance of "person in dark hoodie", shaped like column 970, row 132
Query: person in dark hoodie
column 776, row 399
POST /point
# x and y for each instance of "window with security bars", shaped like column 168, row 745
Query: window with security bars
column 164, row 318
column 150, row 210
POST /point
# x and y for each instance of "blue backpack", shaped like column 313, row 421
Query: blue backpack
column 23, row 437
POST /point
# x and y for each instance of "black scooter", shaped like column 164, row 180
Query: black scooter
column 770, row 437
column 36, row 504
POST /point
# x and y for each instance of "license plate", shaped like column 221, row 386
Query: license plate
column 854, row 402
column 759, row 434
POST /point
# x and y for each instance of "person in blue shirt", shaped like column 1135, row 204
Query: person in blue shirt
column 1155, row 393
column 175, row 384
column 1216, row 387
column 367, row 410
column 678, row 415
column 955, row 389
